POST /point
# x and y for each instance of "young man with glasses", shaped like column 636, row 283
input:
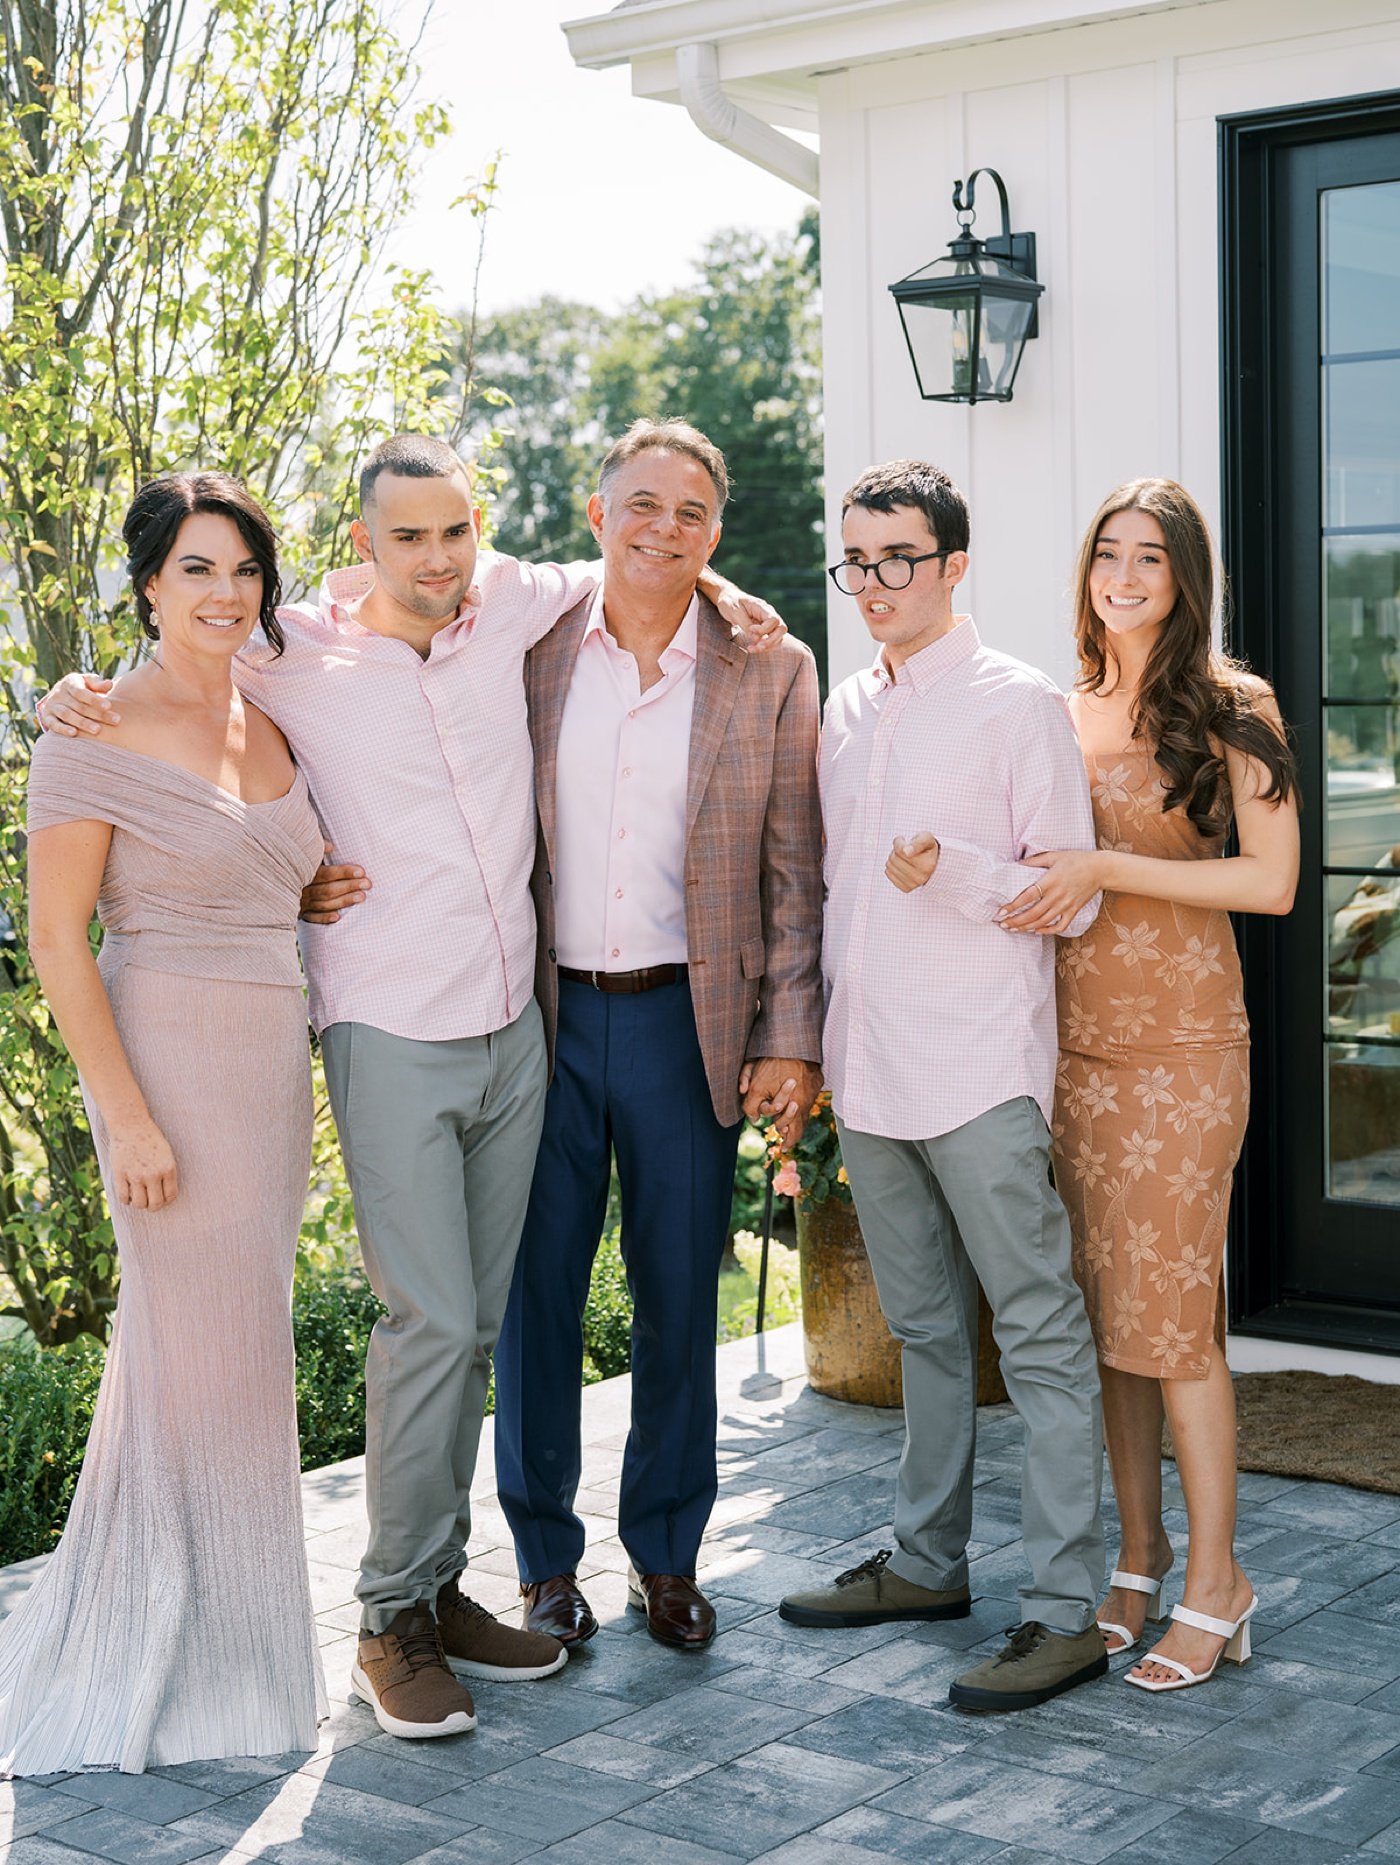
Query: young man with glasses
column 943, row 766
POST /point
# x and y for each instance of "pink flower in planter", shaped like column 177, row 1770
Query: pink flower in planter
column 785, row 1179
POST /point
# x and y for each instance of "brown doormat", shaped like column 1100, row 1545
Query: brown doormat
column 1320, row 1426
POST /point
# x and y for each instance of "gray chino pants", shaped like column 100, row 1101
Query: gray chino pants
column 938, row 1216
column 439, row 1141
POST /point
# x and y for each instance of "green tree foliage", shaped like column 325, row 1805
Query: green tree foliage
column 737, row 353
column 537, row 359
column 193, row 205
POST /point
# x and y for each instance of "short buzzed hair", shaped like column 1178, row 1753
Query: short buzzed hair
column 410, row 456
column 668, row 436
column 917, row 483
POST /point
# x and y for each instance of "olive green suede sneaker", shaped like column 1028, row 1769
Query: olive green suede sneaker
column 1034, row 1665
column 871, row 1595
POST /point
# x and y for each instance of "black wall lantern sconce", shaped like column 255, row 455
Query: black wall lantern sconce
column 967, row 316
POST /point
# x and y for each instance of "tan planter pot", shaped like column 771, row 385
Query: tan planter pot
column 851, row 1353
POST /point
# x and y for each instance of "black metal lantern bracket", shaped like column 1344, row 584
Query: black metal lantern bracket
column 1017, row 249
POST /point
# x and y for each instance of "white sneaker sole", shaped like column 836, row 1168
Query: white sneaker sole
column 458, row 1723
column 508, row 1673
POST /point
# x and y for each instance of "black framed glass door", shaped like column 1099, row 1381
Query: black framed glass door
column 1312, row 306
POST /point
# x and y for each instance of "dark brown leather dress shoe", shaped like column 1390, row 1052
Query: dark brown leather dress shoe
column 557, row 1607
column 677, row 1611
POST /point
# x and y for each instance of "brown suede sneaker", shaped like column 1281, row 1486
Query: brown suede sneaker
column 873, row 1595
column 476, row 1644
column 401, row 1674
column 1035, row 1664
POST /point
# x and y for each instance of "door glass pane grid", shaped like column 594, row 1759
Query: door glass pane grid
column 1360, row 386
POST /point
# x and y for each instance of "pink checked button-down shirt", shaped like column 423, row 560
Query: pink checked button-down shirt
column 624, row 757
column 934, row 1013
column 422, row 772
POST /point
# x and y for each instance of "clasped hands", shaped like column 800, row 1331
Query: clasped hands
column 778, row 1092
column 1072, row 877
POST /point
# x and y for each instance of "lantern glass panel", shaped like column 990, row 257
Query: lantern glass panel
column 943, row 339
column 965, row 330
column 1005, row 322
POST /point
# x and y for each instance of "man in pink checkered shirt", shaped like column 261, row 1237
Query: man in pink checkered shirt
column 943, row 766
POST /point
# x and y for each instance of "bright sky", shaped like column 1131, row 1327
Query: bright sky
column 602, row 196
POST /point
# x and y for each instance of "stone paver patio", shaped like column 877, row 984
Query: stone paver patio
column 806, row 1747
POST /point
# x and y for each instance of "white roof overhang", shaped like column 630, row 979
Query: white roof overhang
column 774, row 52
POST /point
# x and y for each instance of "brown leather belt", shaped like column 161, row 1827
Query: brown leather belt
column 647, row 979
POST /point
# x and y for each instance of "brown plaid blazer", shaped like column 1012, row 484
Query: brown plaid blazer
column 753, row 853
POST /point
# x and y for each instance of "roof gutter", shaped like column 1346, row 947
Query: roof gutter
column 721, row 119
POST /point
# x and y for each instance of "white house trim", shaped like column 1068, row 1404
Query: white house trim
column 631, row 32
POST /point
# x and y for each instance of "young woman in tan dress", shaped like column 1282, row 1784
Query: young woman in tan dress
column 1180, row 743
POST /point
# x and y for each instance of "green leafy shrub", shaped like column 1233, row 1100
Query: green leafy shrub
column 813, row 1170
column 746, row 1206
column 332, row 1317
column 607, row 1320
column 46, row 1401
column 738, row 1303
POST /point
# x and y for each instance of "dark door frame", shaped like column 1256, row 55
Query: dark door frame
column 1259, row 430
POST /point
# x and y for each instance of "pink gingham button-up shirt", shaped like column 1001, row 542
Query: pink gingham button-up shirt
column 936, row 1014
column 421, row 772
column 620, row 789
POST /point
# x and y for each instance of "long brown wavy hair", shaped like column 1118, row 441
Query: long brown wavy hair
column 1193, row 703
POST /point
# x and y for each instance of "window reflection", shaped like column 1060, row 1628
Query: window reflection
column 1363, row 784
column 1361, row 401
column 1361, row 243
column 1363, row 1117
column 1363, row 617
column 1363, row 418
column 1363, row 952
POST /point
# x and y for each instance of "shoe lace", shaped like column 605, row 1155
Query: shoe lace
column 867, row 1569
column 461, row 1606
column 1022, row 1640
column 421, row 1649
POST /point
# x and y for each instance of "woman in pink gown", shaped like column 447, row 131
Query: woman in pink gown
column 173, row 1621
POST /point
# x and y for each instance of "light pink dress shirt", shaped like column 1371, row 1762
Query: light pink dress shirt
column 934, row 1013
column 421, row 771
column 624, row 757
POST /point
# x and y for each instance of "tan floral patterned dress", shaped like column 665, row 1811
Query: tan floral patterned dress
column 1151, row 1094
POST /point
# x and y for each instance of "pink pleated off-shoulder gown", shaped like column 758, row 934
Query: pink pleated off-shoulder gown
column 173, row 1620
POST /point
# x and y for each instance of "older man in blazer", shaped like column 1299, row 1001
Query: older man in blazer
column 678, row 893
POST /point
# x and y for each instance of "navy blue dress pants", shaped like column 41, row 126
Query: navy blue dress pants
column 628, row 1080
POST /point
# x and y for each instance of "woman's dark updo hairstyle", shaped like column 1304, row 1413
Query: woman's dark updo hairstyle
column 1192, row 703
column 162, row 506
